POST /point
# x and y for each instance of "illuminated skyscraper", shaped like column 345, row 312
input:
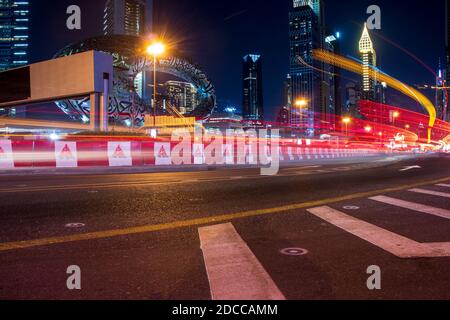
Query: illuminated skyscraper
column 14, row 39
column 14, row 33
column 306, row 30
column 252, row 105
column 181, row 95
column 369, row 61
column 447, row 38
column 131, row 18
column 441, row 96
column 127, row 17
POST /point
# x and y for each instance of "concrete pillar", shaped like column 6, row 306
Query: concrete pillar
column 95, row 112
column 104, row 104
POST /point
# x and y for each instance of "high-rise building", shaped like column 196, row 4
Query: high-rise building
column 369, row 62
column 331, row 82
column 131, row 18
column 14, row 33
column 353, row 96
column 252, row 102
column 447, row 39
column 287, row 92
column 127, row 17
column 441, row 96
column 14, row 40
column 306, row 29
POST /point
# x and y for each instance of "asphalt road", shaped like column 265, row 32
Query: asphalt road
column 220, row 234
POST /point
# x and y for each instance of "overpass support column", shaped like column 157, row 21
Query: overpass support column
column 104, row 103
column 95, row 111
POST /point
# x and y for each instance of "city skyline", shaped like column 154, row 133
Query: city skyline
column 349, row 22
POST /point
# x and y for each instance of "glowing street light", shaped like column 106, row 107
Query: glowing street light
column 301, row 103
column 156, row 49
column 368, row 129
column 407, row 127
column 346, row 121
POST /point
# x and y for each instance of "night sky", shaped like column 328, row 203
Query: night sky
column 217, row 34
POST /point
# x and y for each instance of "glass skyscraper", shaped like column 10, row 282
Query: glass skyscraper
column 305, row 35
column 252, row 107
column 14, row 34
column 127, row 17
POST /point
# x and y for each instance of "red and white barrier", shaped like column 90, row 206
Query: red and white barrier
column 66, row 154
column 71, row 154
column 6, row 154
column 119, row 154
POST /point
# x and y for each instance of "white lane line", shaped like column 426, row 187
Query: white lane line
column 443, row 185
column 234, row 272
column 393, row 243
column 410, row 168
column 300, row 168
column 443, row 213
column 432, row 193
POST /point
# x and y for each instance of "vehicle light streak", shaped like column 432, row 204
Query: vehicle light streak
column 355, row 67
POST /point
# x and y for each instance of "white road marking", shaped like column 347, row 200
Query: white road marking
column 443, row 213
column 431, row 193
column 236, row 178
column 234, row 272
column 301, row 168
column 393, row 243
column 443, row 185
column 410, row 168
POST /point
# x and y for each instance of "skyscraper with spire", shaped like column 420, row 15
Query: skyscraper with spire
column 369, row 62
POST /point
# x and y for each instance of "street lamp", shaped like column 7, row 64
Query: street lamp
column 301, row 104
column 156, row 49
column 368, row 129
column 395, row 115
column 346, row 121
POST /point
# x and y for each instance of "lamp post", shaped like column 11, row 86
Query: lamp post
column 301, row 104
column 395, row 115
column 155, row 49
column 346, row 121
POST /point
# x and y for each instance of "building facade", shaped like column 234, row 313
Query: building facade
column 14, row 33
column 447, row 39
column 353, row 96
column 252, row 91
column 131, row 18
column 446, row 75
column 369, row 62
column 181, row 95
column 127, row 17
column 306, row 30
column 14, row 40
column 441, row 101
